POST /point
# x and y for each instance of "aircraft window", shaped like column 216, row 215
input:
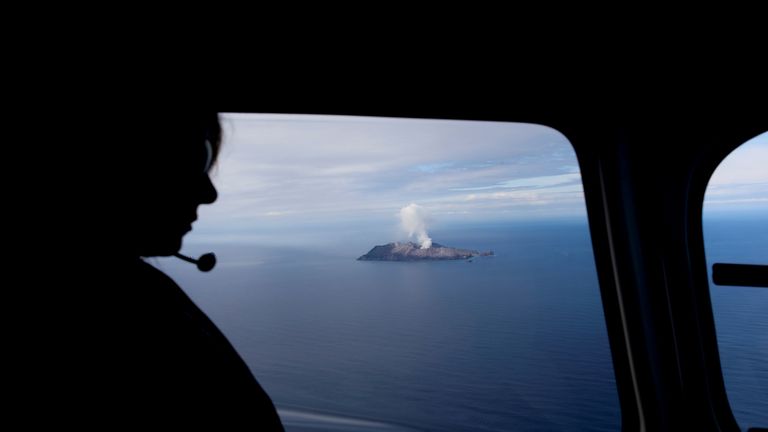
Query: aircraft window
column 735, row 223
column 508, row 336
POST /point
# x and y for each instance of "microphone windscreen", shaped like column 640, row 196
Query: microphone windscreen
column 206, row 262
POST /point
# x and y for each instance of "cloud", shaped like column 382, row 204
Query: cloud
column 319, row 169
column 745, row 165
column 741, row 179
column 277, row 213
column 531, row 182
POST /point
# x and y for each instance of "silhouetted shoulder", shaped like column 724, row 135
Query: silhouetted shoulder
column 152, row 356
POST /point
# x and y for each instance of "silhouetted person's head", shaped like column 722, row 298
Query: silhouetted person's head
column 162, row 180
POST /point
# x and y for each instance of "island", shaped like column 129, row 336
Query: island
column 411, row 251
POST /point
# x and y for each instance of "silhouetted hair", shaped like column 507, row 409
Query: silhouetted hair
column 213, row 134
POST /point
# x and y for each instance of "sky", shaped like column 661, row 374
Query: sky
column 740, row 182
column 291, row 175
column 301, row 172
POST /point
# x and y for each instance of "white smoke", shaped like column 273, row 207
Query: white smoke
column 413, row 219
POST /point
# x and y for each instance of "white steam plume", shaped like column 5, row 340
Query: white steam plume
column 413, row 218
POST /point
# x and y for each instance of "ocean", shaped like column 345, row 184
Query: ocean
column 741, row 315
column 512, row 342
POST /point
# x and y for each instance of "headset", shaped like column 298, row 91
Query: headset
column 205, row 263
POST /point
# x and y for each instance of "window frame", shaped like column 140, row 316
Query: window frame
column 640, row 171
column 646, row 223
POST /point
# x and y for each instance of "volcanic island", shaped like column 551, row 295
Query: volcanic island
column 410, row 251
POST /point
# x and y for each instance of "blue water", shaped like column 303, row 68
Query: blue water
column 741, row 315
column 516, row 341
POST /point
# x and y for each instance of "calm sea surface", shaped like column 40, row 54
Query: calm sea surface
column 741, row 316
column 513, row 342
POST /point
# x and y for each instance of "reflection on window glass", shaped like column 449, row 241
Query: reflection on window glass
column 475, row 306
column 736, row 232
